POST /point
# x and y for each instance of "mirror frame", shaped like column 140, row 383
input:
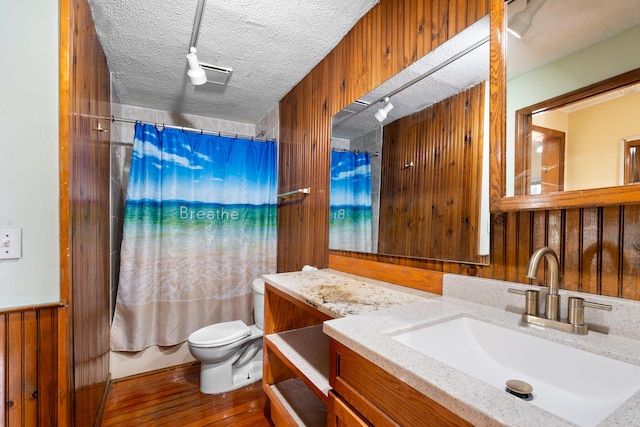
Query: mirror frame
column 497, row 104
column 499, row 202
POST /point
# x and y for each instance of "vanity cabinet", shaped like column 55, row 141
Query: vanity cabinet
column 365, row 394
column 296, row 361
column 314, row 380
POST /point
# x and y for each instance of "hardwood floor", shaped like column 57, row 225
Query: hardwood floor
column 172, row 397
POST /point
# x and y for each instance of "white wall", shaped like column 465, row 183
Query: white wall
column 29, row 149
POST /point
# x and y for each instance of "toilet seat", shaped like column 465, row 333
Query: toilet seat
column 220, row 334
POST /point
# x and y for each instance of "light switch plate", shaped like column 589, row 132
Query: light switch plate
column 10, row 243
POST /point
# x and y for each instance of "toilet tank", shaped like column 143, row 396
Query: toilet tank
column 258, row 303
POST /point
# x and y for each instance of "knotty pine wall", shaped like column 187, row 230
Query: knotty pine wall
column 29, row 366
column 54, row 359
column 429, row 209
column 599, row 247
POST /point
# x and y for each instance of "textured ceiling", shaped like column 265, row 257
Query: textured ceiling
column 270, row 45
column 564, row 26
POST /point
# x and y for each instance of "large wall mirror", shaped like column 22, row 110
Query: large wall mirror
column 572, row 104
column 409, row 169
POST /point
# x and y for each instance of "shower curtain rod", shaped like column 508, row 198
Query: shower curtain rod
column 202, row 131
column 376, row 154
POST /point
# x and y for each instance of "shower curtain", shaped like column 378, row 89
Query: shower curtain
column 350, row 208
column 199, row 226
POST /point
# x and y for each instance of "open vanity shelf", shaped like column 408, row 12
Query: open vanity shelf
column 307, row 351
column 296, row 361
column 303, row 353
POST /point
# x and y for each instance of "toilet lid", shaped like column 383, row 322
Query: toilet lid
column 220, row 334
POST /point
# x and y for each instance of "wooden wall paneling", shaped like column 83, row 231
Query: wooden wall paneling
column 350, row 79
column 357, row 70
column 410, row 21
column 572, row 250
column 458, row 226
column 442, row 142
column 366, row 59
column 591, row 254
column 422, row 209
column 432, row 174
column 424, row 39
column 370, row 50
column 454, row 19
column 28, row 366
column 411, row 177
column 630, row 252
column 610, row 249
column 47, row 366
column 497, row 246
column 438, row 22
column 85, row 214
column 555, row 239
column 448, row 172
column 395, row 37
column 29, row 339
column 519, row 246
column 15, row 404
column 539, row 239
column 421, row 206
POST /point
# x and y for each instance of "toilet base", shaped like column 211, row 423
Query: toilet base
column 223, row 377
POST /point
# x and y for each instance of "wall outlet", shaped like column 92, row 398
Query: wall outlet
column 10, row 243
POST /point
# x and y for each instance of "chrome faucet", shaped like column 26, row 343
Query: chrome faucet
column 575, row 322
column 552, row 308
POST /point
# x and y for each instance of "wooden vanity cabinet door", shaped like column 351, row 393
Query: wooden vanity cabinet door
column 340, row 414
column 380, row 397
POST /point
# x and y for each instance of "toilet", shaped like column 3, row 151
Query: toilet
column 230, row 352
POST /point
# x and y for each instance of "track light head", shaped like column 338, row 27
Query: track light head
column 521, row 21
column 196, row 73
column 382, row 113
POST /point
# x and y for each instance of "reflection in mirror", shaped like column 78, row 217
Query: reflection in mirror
column 407, row 160
column 557, row 56
column 589, row 143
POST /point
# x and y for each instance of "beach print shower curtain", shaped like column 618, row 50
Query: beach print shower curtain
column 350, row 215
column 200, row 225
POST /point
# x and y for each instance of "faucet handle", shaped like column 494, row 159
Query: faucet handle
column 531, row 307
column 576, row 309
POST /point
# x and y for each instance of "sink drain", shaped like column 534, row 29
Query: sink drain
column 519, row 389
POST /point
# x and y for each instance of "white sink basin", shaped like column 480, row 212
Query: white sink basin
column 579, row 386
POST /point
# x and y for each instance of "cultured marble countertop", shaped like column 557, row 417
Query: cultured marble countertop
column 368, row 313
column 338, row 294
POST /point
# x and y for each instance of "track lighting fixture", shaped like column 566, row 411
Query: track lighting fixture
column 381, row 114
column 521, row 21
column 196, row 73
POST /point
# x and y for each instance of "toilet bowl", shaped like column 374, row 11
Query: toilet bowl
column 230, row 353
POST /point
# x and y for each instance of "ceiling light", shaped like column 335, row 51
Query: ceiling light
column 521, row 21
column 381, row 114
column 196, row 73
